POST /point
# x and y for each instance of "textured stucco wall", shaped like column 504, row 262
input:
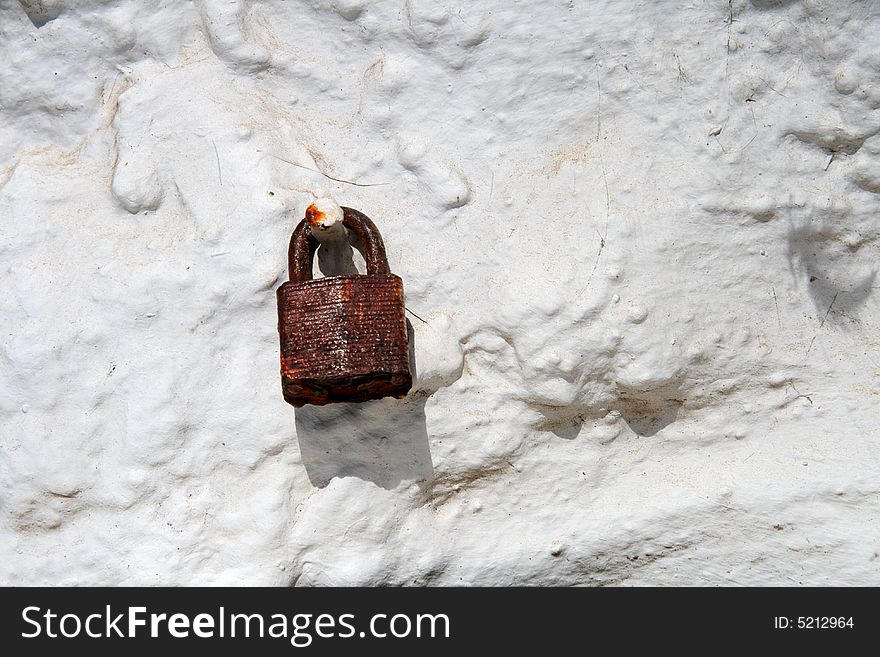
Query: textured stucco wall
column 643, row 238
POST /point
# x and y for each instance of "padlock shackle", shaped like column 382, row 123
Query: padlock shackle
column 303, row 246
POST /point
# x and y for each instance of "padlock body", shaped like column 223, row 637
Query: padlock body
column 343, row 339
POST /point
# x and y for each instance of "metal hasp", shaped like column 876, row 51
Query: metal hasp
column 343, row 338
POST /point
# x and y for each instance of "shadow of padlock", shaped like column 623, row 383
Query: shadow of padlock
column 343, row 338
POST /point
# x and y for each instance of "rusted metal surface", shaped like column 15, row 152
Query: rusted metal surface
column 343, row 338
column 314, row 216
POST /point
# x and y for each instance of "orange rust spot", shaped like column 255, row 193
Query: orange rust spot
column 345, row 291
column 314, row 216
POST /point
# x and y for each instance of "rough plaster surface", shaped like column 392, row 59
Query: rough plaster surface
column 643, row 238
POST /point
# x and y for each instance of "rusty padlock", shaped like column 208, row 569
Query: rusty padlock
column 343, row 338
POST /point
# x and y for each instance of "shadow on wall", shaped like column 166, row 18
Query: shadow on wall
column 646, row 411
column 772, row 4
column 384, row 441
column 41, row 12
column 817, row 252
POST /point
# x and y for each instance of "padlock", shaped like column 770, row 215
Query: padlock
column 343, row 338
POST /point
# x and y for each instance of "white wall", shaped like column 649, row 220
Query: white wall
column 643, row 237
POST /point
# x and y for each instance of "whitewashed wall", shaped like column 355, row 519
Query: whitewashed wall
column 643, row 238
